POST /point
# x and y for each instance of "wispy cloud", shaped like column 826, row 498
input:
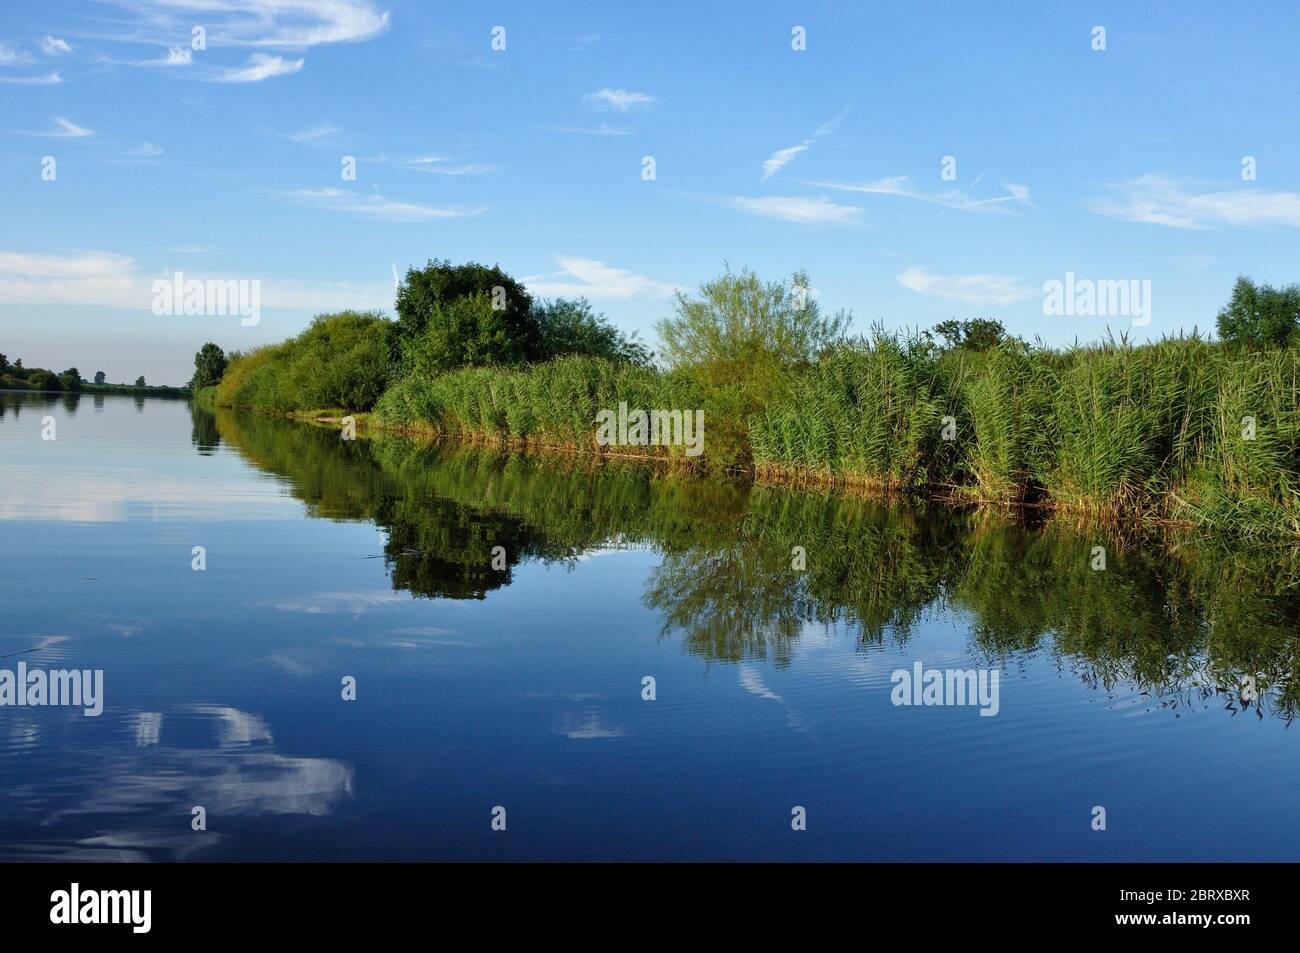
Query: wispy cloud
column 175, row 56
column 322, row 132
column 283, row 24
column 11, row 55
column 260, row 66
column 1184, row 203
column 53, row 46
column 145, row 150
column 620, row 100
column 902, row 187
column 378, row 207
column 435, row 165
column 971, row 289
column 804, row 211
column 586, row 277
column 782, row 157
column 604, row 129
column 63, row 129
column 48, row 79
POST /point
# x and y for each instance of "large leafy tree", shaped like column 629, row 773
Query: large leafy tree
column 100, row 377
column 1260, row 315
column 209, row 366
column 427, row 295
column 464, row 332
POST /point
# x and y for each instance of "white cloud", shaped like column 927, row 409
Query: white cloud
column 318, row 133
column 145, row 150
column 99, row 278
column 110, row 280
column 11, row 55
column 620, row 100
column 1182, row 203
column 175, row 56
column 437, row 165
column 971, row 289
column 63, row 129
column 49, row 79
column 53, row 46
column 433, row 165
column 285, row 24
column 604, row 129
column 378, row 207
column 260, row 66
column 781, row 158
column 586, row 277
column 804, row 211
column 901, row 185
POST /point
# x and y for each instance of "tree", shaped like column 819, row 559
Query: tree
column 979, row 334
column 4, row 364
column 70, row 379
column 425, row 296
column 209, row 366
column 1258, row 316
column 100, row 377
column 570, row 326
column 41, row 379
column 139, row 381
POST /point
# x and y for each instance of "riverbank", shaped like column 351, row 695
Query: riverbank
column 1179, row 431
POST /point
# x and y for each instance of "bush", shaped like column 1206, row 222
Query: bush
column 741, row 339
column 341, row 361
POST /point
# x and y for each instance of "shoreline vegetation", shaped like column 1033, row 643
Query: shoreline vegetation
column 1182, row 430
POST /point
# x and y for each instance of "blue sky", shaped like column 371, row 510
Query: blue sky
column 225, row 163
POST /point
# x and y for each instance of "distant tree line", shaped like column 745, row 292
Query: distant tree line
column 14, row 376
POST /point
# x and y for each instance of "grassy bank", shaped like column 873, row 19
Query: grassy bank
column 1180, row 430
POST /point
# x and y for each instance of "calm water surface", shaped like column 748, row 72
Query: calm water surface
column 522, row 687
